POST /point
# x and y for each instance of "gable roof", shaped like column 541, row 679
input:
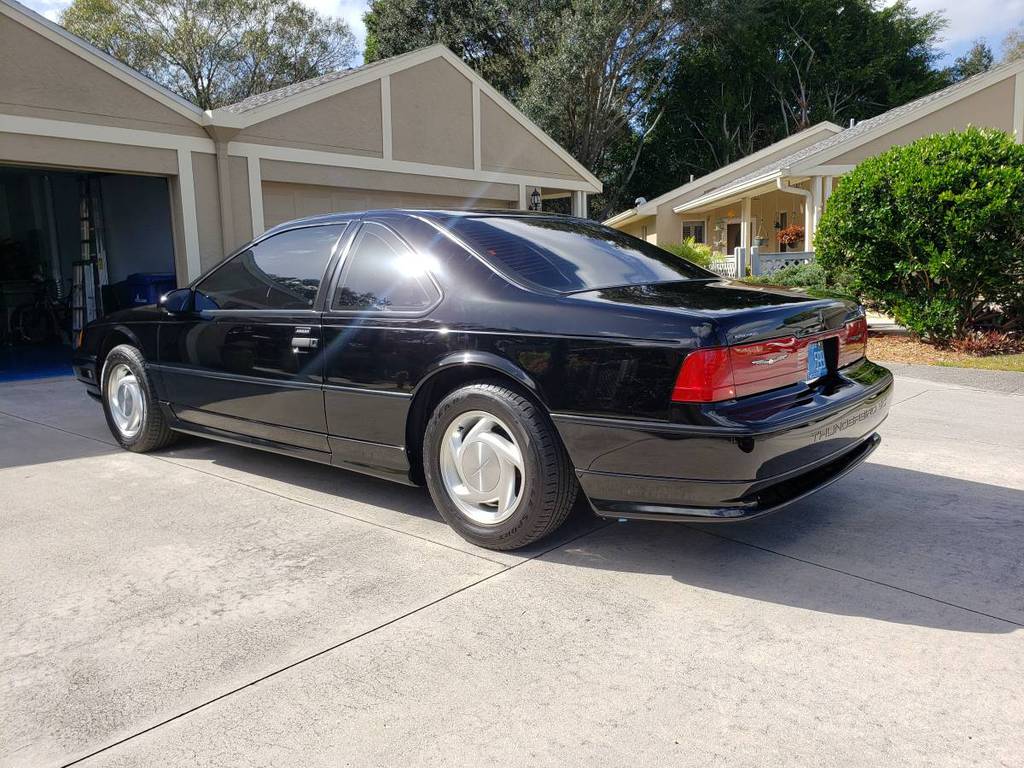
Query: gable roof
column 104, row 61
column 650, row 207
column 820, row 152
column 268, row 98
column 265, row 106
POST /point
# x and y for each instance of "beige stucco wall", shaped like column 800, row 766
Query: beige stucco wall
column 988, row 108
column 384, row 181
column 432, row 115
column 283, row 202
column 644, row 229
column 505, row 145
column 89, row 155
column 349, row 122
column 39, row 78
column 211, row 247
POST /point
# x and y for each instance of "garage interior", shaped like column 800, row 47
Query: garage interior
column 75, row 246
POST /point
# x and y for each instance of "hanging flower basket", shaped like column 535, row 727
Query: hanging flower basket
column 791, row 235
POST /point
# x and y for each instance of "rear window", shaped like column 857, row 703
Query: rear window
column 565, row 256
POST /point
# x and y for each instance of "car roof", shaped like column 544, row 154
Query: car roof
column 428, row 213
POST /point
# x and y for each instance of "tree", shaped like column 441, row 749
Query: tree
column 617, row 57
column 616, row 54
column 1013, row 44
column 979, row 58
column 755, row 71
column 215, row 52
column 933, row 231
column 494, row 38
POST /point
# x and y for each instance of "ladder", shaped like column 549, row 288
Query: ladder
column 89, row 272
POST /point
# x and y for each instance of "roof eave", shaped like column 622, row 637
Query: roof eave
column 727, row 193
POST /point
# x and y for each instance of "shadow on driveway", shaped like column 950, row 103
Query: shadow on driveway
column 900, row 534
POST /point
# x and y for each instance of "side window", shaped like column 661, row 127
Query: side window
column 382, row 273
column 281, row 272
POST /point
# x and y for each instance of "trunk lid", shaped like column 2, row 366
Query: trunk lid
column 741, row 313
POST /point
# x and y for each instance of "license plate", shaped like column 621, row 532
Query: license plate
column 816, row 366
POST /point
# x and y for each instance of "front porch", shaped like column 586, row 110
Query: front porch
column 742, row 223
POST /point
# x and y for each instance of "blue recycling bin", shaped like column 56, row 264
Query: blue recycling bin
column 145, row 288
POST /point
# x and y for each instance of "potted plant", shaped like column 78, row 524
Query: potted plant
column 791, row 235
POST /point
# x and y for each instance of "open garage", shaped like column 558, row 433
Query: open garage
column 109, row 178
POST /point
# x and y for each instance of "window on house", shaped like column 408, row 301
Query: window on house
column 643, row 232
column 694, row 229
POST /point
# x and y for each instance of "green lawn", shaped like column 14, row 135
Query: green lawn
column 993, row 363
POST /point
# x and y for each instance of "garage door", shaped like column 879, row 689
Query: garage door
column 283, row 201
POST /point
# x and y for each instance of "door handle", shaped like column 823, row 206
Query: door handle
column 305, row 342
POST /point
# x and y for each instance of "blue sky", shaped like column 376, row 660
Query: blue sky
column 969, row 19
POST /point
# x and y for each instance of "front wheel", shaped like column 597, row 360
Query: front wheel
column 130, row 403
column 496, row 468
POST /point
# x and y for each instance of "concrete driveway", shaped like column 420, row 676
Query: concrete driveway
column 213, row 605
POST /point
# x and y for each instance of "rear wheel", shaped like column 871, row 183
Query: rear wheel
column 496, row 468
column 130, row 403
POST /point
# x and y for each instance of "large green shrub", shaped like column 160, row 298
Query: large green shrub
column 933, row 231
column 699, row 253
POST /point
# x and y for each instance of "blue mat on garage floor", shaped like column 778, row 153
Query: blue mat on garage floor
column 29, row 362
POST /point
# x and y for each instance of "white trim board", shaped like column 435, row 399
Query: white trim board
column 62, row 129
column 255, row 195
column 337, row 160
column 1018, row 107
column 385, row 118
column 190, row 218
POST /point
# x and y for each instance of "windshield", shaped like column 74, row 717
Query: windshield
column 566, row 255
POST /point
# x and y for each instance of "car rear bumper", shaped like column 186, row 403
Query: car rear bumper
column 744, row 460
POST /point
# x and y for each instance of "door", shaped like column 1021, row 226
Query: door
column 249, row 360
column 732, row 237
column 378, row 338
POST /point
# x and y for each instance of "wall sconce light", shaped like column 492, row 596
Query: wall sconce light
column 535, row 200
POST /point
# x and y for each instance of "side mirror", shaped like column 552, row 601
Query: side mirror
column 177, row 301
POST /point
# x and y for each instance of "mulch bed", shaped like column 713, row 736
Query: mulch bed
column 895, row 348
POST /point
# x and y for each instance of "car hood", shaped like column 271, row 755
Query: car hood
column 740, row 312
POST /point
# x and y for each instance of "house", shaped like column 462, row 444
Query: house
column 91, row 149
column 738, row 209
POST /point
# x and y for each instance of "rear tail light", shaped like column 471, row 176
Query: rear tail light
column 853, row 341
column 705, row 377
column 722, row 373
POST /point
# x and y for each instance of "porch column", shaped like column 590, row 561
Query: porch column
column 745, row 222
column 579, row 204
column 810, row 207
column 816, row 197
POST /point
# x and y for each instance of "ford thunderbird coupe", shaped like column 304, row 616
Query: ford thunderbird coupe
column 506, row 360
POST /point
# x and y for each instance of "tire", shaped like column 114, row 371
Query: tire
column 466, row 446
column 124, row 377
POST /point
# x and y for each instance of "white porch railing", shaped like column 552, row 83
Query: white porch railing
column 724, row 264
column 766, row 263
column 732, row 264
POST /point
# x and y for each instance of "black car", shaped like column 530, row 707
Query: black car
column 504, row 359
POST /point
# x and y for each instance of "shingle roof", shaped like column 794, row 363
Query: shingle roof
column 870, row 125
column 269, row 97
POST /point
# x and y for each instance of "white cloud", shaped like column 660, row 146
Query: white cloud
column 973, row 19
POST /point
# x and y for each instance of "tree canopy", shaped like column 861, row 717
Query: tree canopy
column 215, row 52
column 644, row 93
